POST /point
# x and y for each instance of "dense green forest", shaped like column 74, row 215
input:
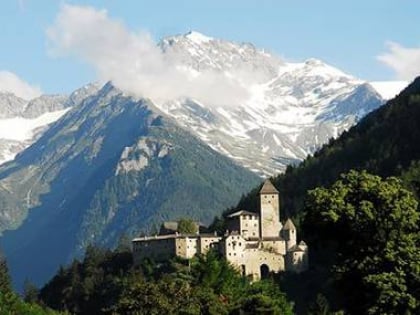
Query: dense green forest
column 105, row 282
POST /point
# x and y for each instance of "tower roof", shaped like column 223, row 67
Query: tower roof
column 289, row 225
column 268, row 188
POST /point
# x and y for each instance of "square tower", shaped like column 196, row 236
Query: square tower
column 270, row 224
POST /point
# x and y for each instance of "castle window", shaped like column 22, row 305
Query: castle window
column 255, row 225
column 240, row 244
column 272, row 196
column 234, row 254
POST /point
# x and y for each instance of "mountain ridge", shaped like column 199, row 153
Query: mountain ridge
column 112, row 165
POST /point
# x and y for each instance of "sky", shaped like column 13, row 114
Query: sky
column 50, row 46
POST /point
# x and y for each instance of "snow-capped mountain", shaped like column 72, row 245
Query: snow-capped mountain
column 22, row 122
column 292, row 108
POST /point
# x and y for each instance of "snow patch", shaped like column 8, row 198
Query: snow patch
column 198, row 38
column 22, row 129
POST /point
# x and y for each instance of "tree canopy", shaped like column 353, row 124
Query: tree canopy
column 187, row 226
column 105, row 282
column 372, row 226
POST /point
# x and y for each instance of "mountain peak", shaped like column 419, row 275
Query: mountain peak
column 314, row 62
column 197, row 37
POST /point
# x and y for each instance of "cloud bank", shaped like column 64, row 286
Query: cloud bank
column 133, row 61
column 404, row 61
column 10, row 82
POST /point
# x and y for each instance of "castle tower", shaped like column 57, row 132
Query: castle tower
column 289, row 234
column 270, row 225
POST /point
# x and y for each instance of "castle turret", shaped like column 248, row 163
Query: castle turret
column 270, row 224
column 289, row 234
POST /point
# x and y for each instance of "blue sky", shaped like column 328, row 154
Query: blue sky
column 349, row 35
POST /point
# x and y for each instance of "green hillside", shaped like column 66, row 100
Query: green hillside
column 362, row 230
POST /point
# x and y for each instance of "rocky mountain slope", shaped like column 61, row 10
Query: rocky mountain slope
column 112, row 165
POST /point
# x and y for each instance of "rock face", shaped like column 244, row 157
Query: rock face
column 112, row 165
column 293, row 108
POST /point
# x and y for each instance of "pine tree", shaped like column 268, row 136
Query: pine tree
column 5, row 284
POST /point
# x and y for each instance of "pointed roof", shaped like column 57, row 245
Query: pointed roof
column 268, row 188
column 302, row 243
column 289, row 225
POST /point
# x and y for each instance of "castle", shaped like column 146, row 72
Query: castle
column 255, row 244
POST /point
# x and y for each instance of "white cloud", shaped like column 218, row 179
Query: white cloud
column 132, row 61
column 404, row 61
column 10, row 82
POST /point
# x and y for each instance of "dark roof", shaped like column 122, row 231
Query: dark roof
column 242, row 212
column 268, row 188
